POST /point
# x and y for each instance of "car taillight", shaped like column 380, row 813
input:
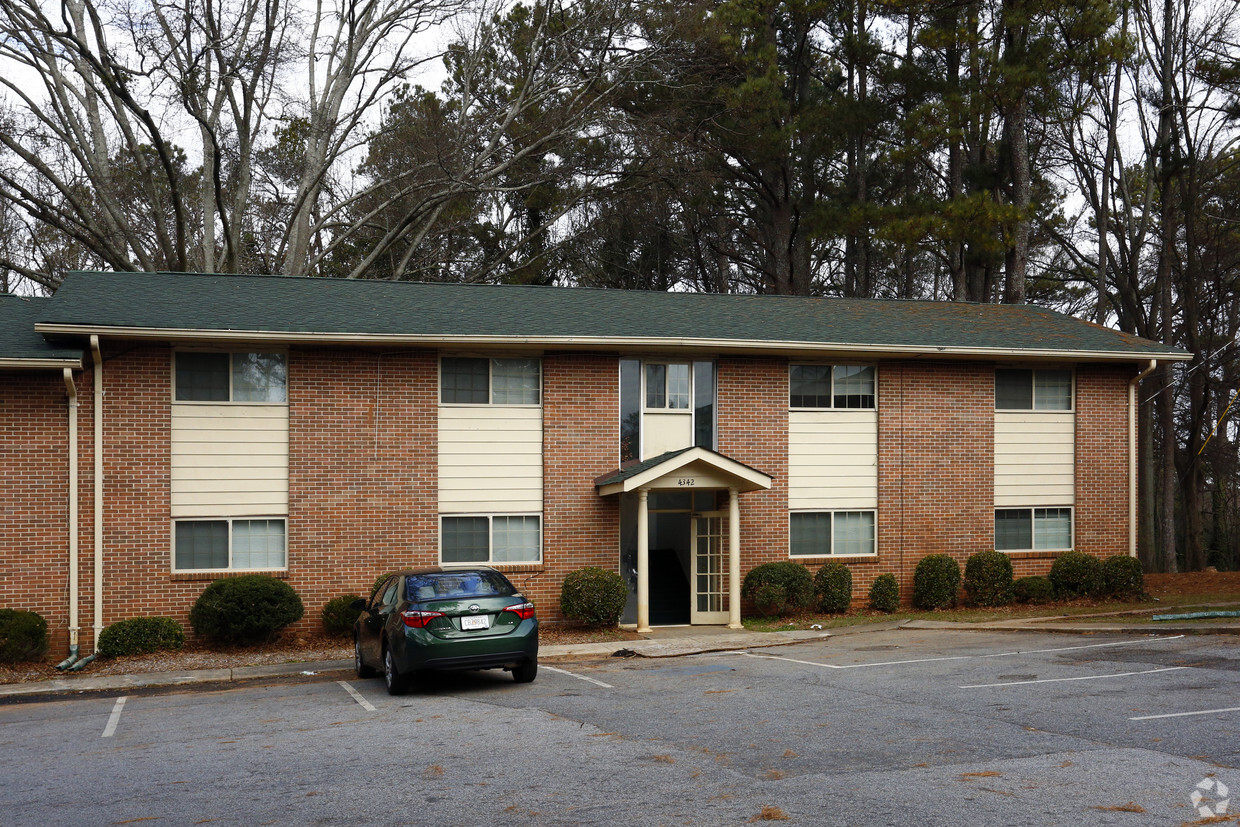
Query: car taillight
column 418, row 620
column 522, row 610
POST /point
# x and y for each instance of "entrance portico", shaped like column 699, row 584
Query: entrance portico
column 692, row 471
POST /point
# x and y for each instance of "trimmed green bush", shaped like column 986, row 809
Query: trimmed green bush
column 141, row 636
column 23, row 636
column 833, row 586
column 1033, row 590
column 246, row 609
column 593, row 596
column 1076, row 574
column 988, row 579
column 779, row 588
column 935, row 582
column 339, row 615
column 885, row 593
column 1122, row 577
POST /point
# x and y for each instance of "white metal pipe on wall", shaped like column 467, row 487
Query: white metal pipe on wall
column 97, row 357
column 71, row 389
column 1132, row 456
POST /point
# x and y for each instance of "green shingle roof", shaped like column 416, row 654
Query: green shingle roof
column 336, row 309
column 20, row 345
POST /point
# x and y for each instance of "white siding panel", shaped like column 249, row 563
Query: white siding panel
column 229, row 460
column 833, row 459
column 1035, row 459
column 490, row 459
column 663, row 432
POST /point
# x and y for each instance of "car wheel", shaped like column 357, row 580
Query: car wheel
column 363, row 671
column 526, row 672
column 396, row 682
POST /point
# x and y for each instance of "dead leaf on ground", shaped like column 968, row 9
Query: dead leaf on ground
column 770, row 813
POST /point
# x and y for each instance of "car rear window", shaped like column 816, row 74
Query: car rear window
column 455, row 584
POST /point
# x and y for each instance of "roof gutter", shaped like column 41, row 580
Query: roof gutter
column 636, row 342
column 39, row 364
column 1132, row 455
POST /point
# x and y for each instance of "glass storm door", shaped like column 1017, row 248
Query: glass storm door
column 710, row 587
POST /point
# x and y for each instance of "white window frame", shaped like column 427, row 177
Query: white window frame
column 172, row 562
column 1033, row 527
column 231, row 400
column 490, row 360
column 1033, row 390
column 832, row 555
column 667, row 363
column 831, row 394
column 490, row 518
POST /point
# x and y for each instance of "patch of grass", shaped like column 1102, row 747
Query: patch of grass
column 1130, row 807
column 770, row 813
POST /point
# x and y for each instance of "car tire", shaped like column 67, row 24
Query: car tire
column 526, row 672
column 395, row 682
column 359, row 666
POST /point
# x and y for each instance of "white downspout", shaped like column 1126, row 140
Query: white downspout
column 1132, row 456
column 97, row 357
column 71, row 389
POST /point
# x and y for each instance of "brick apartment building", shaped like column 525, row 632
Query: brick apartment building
column 158, row 431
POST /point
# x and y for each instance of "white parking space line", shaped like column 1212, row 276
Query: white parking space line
column 578, row 677
column 357, row 696
column 1186, row 714
column 114, row 718
column 958, row 657
column 1078, row 678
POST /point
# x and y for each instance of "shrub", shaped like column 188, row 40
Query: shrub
column 885, row 593
column 988, row 578
column 833, row 585
column 779, row 588
column 1122, row 577
column 339, row 615
column 374, row 587
column 141, row 636
column 1076, row 574
column 23, row 636
column 1033, row 590
column 247, row 609
column 593, row 596
column 935, row 582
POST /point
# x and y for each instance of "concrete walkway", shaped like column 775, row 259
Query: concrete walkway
column 664, row 642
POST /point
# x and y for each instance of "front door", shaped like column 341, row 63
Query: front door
column 710, row 588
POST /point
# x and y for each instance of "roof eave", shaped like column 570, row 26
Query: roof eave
column 598, row 342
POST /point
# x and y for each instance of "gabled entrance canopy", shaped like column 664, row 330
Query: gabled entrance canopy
column 689, row 469
column 686, row 468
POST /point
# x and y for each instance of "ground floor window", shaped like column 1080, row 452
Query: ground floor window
column 1033, row 529
column 491, row 538
column 229, row 545
column 830, row 533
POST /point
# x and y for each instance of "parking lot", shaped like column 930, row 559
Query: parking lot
column 899, row 727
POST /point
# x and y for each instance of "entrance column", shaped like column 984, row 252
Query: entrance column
column 734, row 559
column 643, row 561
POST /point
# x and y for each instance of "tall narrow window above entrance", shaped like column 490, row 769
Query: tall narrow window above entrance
column 665, row 406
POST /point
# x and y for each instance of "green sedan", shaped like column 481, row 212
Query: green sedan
column 429, row 619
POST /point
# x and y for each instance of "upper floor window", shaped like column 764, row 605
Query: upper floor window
column 826, row 386
column 667, row 386
column 479, row 381
column 231, row 377
column 1033, row 390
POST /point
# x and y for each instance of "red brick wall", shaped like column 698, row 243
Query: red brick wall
column 363, row 466
column 34, row 492
column 935, row 467
column 752, row 396
column 1102, row 460
column 581, row 441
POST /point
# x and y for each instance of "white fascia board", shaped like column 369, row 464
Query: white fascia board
column 753, row 480
column 599, row 342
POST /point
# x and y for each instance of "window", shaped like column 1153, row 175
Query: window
column 1033, row 390
column 471, row 381
column 824, row 386
column 491, row 539
column 667, row 386
column 231, row 377
column 826, row 533
column 1026, row 529
column 239, row 545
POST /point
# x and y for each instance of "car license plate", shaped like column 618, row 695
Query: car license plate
column 475, row 622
